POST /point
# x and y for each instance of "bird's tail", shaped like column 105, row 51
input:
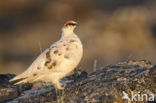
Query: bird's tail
column 18, row 79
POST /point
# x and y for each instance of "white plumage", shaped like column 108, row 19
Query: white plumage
column 55, row 62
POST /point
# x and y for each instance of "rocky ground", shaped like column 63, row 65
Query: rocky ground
column 106, row 85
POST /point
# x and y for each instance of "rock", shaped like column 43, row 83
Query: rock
column 107, row 85
column 4, row 80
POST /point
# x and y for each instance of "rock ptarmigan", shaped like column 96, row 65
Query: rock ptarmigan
column 57, row 61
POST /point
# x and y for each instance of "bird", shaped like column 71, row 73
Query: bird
column 55, row 62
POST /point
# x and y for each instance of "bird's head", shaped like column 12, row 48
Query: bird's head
column 70, row 26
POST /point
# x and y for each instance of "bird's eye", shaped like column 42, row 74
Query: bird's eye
column 71, row 24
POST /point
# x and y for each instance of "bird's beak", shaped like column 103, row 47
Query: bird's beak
column 76, row 24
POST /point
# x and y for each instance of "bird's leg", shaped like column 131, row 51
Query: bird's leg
column 58, row 85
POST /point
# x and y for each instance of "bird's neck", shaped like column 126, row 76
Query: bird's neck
column 67, row 33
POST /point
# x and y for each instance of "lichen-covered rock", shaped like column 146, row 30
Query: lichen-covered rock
column 108, row 85
column 4, row 80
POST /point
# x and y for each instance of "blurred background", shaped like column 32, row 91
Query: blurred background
column 110, row 30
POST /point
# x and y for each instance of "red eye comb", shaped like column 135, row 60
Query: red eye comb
column 69, row 22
